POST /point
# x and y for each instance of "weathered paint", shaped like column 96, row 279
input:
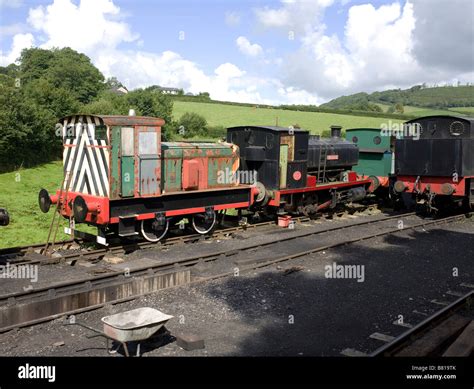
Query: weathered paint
column 127, row 168
column 209, row 161
column 171, row 174
column 121, row 120
column 284, row 149
column 135, row 175
column 149, row 155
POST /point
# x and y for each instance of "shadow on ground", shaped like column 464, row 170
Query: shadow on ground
column 304, row 313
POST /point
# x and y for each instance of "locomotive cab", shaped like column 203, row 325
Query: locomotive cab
column 278, row 155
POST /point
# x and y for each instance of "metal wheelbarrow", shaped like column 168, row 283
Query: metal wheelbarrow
column 130, row 326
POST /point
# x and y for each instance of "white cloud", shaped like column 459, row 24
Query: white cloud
column 248, row 48
column 390, row 46
column 372, row 55
column 86, row 27
column 227, row 82
column 20, row 42
column 228, row 71
column 444, row 35
column 297, row 16
column 232, row 18
column 293, row 95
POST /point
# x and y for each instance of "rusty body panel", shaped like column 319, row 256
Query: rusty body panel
column 120, row 120
column 198, row 166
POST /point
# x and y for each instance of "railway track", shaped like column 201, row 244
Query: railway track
column 70, row 297
column 22, row 250
column 448, row 332
column 123, row 247
column 19, row 255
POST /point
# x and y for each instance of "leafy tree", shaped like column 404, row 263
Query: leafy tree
column 50, row 84
column 399, row 108
column 191, row 124
column 113, row 82
column 204, row 95
column 145, row 103
column 46, row 85
column 63, row 68
column 149, row 103
column 26, row 130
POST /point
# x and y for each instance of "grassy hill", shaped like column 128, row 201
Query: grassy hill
column 417, row 100
column 231, row 115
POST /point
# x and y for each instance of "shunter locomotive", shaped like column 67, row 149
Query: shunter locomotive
column 434, row 166
column 120, row 177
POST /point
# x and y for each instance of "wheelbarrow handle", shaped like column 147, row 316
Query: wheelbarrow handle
column 88, row 327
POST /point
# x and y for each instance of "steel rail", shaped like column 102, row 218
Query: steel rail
column 414, row 333
column 195, row 259
column 70, row 289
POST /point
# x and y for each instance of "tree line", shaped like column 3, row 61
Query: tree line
column 46, row 85
column 442, row 97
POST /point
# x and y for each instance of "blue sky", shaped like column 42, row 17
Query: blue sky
column 257, row 51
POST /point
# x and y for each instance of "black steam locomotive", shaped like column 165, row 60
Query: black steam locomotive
column 434, row 163
column 297, row 172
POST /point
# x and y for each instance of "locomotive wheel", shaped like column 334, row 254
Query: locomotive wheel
column 201, row 226
column 79, row 209
column 150, row 234
column 262, row 197
column 44, row 200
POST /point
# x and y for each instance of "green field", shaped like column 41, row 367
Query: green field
column 468, row 111
column 19, row 195
column 231, row 115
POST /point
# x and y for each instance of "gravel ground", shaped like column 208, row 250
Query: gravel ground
column 291, row 308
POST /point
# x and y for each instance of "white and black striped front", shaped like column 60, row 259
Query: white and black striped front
column 85, row 158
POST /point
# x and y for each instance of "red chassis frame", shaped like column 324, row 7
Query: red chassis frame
column 99, row 207
column 312, row 186
column 444, row 186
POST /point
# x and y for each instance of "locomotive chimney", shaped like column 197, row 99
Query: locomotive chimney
column 336, row 131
